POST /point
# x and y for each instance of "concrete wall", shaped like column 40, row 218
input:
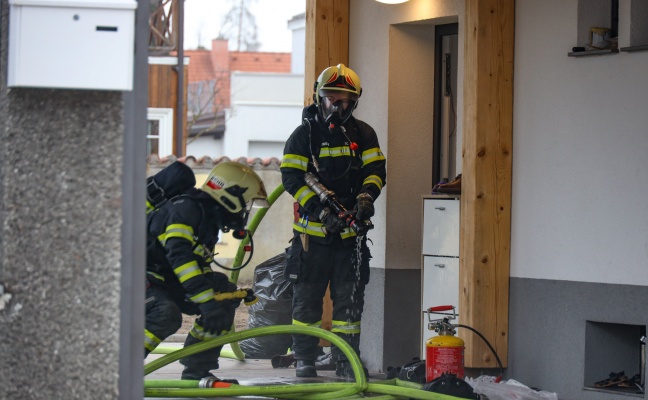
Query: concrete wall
column 71, row 323
column 60, row 180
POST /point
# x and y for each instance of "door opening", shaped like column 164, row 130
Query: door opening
column 444, row 165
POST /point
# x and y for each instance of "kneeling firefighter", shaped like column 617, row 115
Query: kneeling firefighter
column 342, row 153
column 181, row 235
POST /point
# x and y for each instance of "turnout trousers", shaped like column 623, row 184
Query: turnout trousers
column 163, row 319
column 342, row 264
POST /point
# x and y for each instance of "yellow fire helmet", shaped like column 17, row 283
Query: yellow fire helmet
column 234, row 185
column 337, row 83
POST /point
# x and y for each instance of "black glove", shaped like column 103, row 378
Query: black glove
column 364, row 207
column 216, row 317
column 331, row 222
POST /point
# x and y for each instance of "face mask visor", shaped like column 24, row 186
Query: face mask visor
column 336, row 106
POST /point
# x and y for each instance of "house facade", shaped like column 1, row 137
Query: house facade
column 578, row 280
column 570, row 236
column 241, row 104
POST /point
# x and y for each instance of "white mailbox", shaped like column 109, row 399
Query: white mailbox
column 76, row 44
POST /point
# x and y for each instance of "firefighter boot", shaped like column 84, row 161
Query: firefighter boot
column 343, row 369
column 305, row 369
column 199, row 365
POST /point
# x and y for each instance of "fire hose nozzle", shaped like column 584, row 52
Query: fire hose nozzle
column 328, row 198
column 247, row 295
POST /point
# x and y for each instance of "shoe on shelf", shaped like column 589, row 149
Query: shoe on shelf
column 305, row 369
column 614, row 379
column 197, row 375
column 343, row 369
column 632, row 382
column 453, row 187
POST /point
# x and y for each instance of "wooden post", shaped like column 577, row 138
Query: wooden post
column 327, row 43
column 327, row 39
column 486, row 179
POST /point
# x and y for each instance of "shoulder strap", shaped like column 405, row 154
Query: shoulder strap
column 307, row 123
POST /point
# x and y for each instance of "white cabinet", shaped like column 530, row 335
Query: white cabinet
column 440, row 257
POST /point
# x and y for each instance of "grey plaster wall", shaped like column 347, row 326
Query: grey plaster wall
column 391, row 322
column 60, row 231
column 558, row 340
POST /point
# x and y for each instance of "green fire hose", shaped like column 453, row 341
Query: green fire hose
column 390, row 389
column 240, row 254
column 308, row 391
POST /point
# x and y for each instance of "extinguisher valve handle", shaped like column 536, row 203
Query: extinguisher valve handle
column 440, row 308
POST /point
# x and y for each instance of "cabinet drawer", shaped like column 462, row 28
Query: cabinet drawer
column 440, row 282
column 440, row 288
column 441, row 227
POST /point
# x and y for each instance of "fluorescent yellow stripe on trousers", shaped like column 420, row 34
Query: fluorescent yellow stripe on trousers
column 346, row 327
column 314, row 324
column 150, row 340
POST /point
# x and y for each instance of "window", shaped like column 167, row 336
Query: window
column 607, row 27
column 159, row 135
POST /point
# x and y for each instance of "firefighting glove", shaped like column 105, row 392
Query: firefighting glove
column 364, row 207
column 216, row 317
column 331, row 222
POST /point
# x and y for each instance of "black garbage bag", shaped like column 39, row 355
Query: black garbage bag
column 414, row 371
column 273, row 308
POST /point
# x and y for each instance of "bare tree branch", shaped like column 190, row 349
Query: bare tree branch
column 239, row 27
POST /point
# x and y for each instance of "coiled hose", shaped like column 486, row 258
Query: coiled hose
column 308, row 391
column 391, row 389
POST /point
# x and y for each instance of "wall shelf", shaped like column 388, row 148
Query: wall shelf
column 632, row 49
column 588, row 53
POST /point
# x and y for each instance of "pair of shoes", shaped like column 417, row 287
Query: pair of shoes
column 196, row 376
column 305, row 369
column 343, row 369
column 632, row 382
column 453, row 187
column 435, row 188
column 614, row 379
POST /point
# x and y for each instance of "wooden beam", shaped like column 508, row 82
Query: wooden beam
column 486, row 179
column 327, row 43
column 327, row 39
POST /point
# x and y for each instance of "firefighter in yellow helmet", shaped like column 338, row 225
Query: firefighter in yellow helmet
column 182, row 234
column 344, row 155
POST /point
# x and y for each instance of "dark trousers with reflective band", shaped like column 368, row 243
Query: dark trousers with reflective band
column 164, row 318
column 345, row 266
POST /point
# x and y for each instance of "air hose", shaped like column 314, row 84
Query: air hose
column 252, row 227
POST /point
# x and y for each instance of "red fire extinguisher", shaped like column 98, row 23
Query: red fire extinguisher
column 445, row 352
